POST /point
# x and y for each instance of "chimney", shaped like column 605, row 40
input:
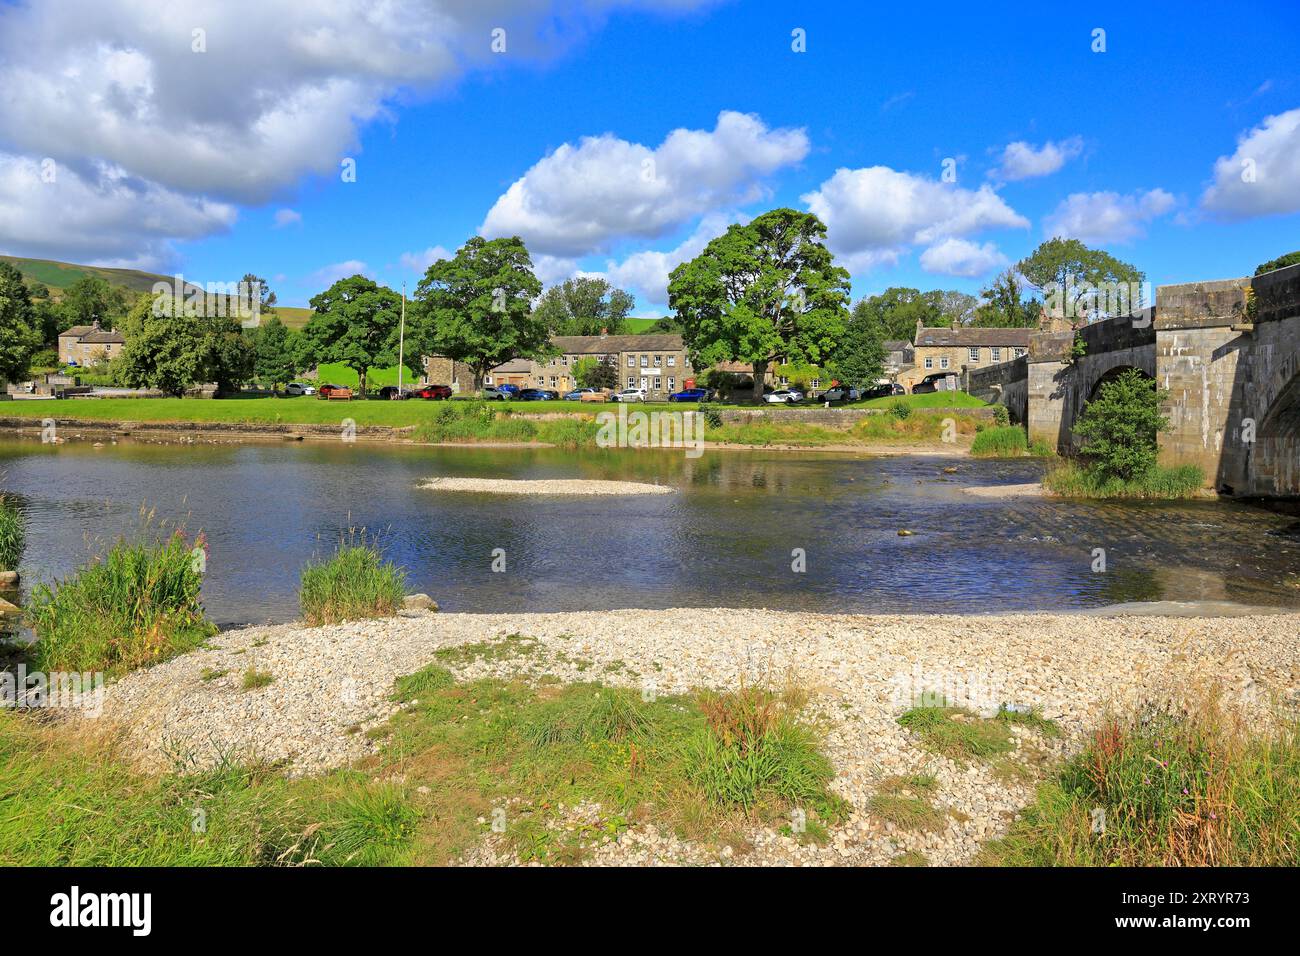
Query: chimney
column 955, row 325
column 604, row 333
column 94, row 325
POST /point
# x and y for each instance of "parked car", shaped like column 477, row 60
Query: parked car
column 537, row 395
column 509, row 389
column 884, row 391
column 299, row 388
column 324, row 390
column 692, row 395
column 930, row 383
column 783, row 396
column 432, row 393
column 840, row 393
column 497, row 393
column 392, row 393
column 577, row 393
column 629, row 395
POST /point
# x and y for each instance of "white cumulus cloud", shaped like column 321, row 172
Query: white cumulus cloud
column 961, row 257
column 326, row 276
column 580, row 199
column 1262, row 177
column 1021, row 160
column 873, row 215
column 287, row 217
column 420, row 261
column 1107, row 216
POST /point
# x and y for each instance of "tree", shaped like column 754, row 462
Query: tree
column 896, row 311
column 92, row 298
column 592, row 372
column 584, row 305
column 762, row 292
column 20, row 338
column 859, row 357
column 165, row 349
column 277, row 353
column 230, row 352
column 476, row 307
column 1003, row 307
column 1118, row 428
column 265, row 297
column 1074, row 278
column 355, row 322
column 1281, row 262
column 957, row 307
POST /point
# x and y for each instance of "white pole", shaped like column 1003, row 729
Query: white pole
column 401, row 342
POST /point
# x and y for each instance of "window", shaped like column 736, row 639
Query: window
column 554, row 381
column 487, row 379
column 672, row 360
column 943, row 362
column 659, row 360
column 929, row 362
column 631, row 382
column 995, row 353
column 671, row 386
column 631, row 361
column 645, row 361
column 541, row 380
column 1017, row 352
column 816, row 383
column 974, row 354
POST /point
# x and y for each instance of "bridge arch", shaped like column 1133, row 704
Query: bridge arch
column 1276, row 464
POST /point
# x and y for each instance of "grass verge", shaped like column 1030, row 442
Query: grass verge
column 13, row 537
column 1166, row 788
column 136, row 605
column 961, row 736
column 1006, row 441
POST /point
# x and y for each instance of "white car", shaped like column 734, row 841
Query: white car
column 783, row 396
column 299, row 388
column 494, row 394
column 629, row 395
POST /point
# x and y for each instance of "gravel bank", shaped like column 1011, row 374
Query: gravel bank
column 546, row 486
column 863, row 671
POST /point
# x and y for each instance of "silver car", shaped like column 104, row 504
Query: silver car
column 299, row 388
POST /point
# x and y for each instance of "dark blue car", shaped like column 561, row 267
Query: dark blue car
column 691, row 395
column 537, row 395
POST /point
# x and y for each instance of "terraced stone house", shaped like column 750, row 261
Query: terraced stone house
column 86, row 345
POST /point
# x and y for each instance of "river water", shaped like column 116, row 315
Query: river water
column 731, row 536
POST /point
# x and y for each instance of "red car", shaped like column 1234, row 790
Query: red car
column 323, row 391
column 433, row 392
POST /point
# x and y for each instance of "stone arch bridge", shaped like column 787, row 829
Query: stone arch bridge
column 1227, row 353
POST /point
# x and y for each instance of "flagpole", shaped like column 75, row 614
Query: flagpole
column 401, row 342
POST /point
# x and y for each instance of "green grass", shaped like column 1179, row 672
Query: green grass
column 254, row 679
column 1167, row 788
column 352, row 584
column 906, row 813
column 1072, row 480
column 456, row 759
column 1007, row 441
column 136, row 605
column 956, row 733
column 924, row 400
column 13, row 536
column 874, row 429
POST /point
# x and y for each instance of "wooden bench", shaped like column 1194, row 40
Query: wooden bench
column 339, row 394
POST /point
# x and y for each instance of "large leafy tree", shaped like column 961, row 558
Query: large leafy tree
column 1004, row 306
column 895, row 312
column 20, row 336
column 1118, row 428
column 278, row 354
column 859, row 356
column 91, row 298
column 355, row 322
column 763, row 292
column 1078, row 273
column 476, row 307
column 165, row 349
column 584, row 305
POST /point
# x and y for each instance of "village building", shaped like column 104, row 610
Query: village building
column 953, row 348
column 86, row 345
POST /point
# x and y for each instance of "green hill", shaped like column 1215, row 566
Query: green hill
column 59, row 275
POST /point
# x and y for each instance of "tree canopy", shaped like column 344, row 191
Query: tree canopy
column 584, row 305
column 355, row 322
column 1003, row 306
column 762, row 292
column 1081, row 276
column 20, row 335
column 476, row 307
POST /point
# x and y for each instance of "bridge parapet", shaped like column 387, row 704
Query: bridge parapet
column 1277, row 294
column 1201, row 305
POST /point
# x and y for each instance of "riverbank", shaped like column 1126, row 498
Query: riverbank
column 326, row 699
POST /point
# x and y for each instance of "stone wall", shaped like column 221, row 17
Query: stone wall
column 1005, row 384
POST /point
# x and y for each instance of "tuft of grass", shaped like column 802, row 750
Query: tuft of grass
column 907, row 813
column 254, row 678
column 1161, row 787
column 355, row 583
column 1032, row 718
column 956, row 733
column 512, row 645
column 136, row 605
column 1072, row 480
column 429, row 678
column 1002, row 442
column 210, row 674
column 13, row 535
column 910, row 858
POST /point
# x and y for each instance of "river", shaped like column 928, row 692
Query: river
column 731, row 536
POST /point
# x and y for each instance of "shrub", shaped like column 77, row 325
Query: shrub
column 1001, row 417
column 1004, row 442
column 13, row 537
column 355, row 583
column 1174, row 788
column 900, row 409
column 1118, row 428
column 712, row 416
column 137, row 605
column 1281, row 262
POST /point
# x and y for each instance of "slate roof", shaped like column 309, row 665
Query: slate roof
column 967, row 337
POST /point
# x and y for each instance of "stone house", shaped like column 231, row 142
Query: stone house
column 87, row 345
column 951, row 349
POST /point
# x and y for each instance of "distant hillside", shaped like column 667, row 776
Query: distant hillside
column 59, row 275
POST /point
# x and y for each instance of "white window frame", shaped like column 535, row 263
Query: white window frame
column 973, row 354
column 631, row 361
column 995, row 353
column 672, row 361
column 943, row 362
column 929, row 361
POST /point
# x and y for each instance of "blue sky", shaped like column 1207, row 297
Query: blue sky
column 226, row 160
